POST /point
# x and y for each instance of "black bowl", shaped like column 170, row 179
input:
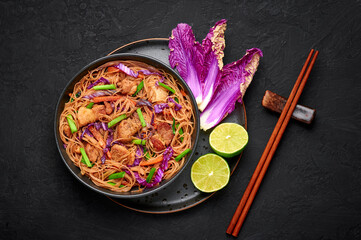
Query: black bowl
column 64, row 97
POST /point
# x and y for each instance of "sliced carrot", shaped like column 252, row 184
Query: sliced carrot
column 134, row 102
column 140, row 75
column 113, row 69
column 97, row 136
column 183, row 93
column 106, row 99
column 152, row 161
column 109, row 155
column 100, row 139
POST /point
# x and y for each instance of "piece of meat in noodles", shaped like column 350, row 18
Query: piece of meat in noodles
column 86, row 116
column 128, row 127
column 119, row 152
column 128, row 85
column 108, row 108
column 67, row 131
column 156, row 93
column 99, row 110
column 162, row 137
column 92, row 152
column 158, row 145
column 165, row 131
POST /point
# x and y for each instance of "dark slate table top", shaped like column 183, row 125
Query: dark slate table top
column 312, row 189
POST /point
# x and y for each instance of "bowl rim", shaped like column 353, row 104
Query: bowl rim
column 98, row 62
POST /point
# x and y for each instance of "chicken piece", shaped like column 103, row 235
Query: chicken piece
column 157, row 143
column 147, row 118
column 165, row 131
column 92, row 152
column 138, row 169
column 98, row 110
column 128, row 86
column 128, row 127
column 86, row 116
column 156, row 93
column 131, row 158
column 67, row 131
column 119, row 152
column 108, row 108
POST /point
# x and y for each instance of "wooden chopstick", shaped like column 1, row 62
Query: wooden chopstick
column 251, row 190
column 267, row 149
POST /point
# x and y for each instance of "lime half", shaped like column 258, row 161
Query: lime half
column 210, row 173
column 228, row 139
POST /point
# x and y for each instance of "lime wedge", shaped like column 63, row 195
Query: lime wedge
column 210, row 173
column 228, row 139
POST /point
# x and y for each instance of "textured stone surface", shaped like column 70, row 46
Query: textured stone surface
column 313, row 187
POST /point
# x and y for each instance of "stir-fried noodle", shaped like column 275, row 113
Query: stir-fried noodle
column 133, row 153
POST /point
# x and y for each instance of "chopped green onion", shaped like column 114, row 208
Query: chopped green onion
column 173, row 126
column 116, row 175
column 166, row 87
column 151, row 173
column 104, row 87
column 180, row 132
column 139, row 87
column 90, row 105
column 71, row 123
column 71, row 99
column 77, row 94
column 86, row 159
column 180, row 156
column 146, row 154
column 83, row 161
column 141, row 118
column 176, row 99
column 139, row 141
column 113, row 184
column 116, row 120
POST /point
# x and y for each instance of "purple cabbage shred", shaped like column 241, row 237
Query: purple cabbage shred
column 152, row 120
column 143, row 102
column 177, row 106
column 131, row 73
column 158, row 108
column 100, row 94
column 100, row 80
column 104, row 126
column 118, row 142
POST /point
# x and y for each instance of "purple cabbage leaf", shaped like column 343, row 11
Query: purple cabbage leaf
column 235, row 80
column 198, row 64
column 186, row 55
column 213, row 46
